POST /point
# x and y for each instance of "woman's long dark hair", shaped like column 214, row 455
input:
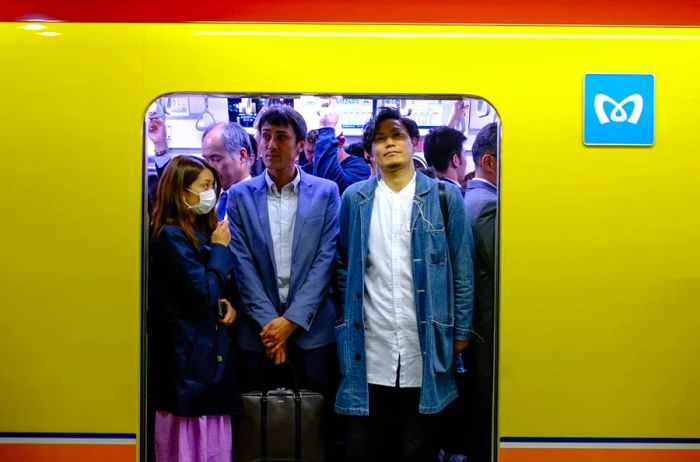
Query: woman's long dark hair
column 170, row 207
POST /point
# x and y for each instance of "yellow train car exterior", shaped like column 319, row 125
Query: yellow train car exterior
column 599, row 246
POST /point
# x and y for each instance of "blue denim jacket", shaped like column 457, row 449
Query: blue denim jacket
column 443, row 280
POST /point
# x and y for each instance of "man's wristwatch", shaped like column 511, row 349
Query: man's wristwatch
column 161, row 153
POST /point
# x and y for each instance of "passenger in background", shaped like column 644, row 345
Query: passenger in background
column 406, row 284
column 227, row 147
column 482, row 203
column 469, row 176
column 330, row 160
column 355, row 149
column 284, row 225
column 429, row 172
column 307, row 154
column 419, row 163
column 443, row 149
column 458, row 115
column 158, row 136
column 257, row 168
column 192, row 385
column 369, row 160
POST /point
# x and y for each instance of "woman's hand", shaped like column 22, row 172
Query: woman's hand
column 221, row 234
column 230, row 315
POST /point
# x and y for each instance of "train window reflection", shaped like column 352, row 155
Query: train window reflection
column 455, row 140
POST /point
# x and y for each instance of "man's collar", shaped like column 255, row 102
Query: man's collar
column 450, row 180
column 295, row 182
column 476, row 178
column 411, row 185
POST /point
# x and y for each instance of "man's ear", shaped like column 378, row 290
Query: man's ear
column 300, row 145
column 488, row 161
column 454, row 161
column 341, row 141
column 243, row 153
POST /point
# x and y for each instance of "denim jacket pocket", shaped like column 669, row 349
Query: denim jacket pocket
column 435, row 247
column 443, row 346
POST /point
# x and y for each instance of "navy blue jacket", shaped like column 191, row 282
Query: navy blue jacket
column 190, row 365
column 326, row 165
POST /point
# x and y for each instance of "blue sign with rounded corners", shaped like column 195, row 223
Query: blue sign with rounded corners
column 618, row 109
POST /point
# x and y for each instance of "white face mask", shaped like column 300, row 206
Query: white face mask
column 207, row 199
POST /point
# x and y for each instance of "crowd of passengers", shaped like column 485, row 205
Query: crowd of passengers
column 371, row 278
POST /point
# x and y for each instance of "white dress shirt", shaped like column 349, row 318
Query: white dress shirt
column 282, row 213
column 391, row 328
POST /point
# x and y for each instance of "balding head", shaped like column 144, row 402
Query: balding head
column 227, row 147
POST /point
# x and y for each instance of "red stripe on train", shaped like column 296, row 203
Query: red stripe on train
column 584, row 12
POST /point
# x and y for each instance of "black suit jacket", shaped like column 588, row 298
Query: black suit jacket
column 481, row 200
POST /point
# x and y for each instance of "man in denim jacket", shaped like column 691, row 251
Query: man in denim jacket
column 406, row 288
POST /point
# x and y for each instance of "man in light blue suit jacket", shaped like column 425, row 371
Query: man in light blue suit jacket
column 284, row 225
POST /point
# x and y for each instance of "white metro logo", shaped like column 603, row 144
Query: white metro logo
column 618, row 113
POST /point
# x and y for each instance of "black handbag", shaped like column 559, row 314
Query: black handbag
column 280, row 425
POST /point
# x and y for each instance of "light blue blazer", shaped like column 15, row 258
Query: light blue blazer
column 309, row 303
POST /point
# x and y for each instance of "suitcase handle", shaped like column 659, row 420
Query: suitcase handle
column 295, row 383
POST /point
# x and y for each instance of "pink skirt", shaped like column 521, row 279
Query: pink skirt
column 192, row 439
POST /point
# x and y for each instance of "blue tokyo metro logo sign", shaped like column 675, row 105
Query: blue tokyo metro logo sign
column 618, row 109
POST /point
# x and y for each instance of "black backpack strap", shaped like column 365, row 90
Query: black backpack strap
column 443, row 203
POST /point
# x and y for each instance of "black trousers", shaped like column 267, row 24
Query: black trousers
column 466, row 426
column 394, row 430
column 315, row 369
column 479, row 394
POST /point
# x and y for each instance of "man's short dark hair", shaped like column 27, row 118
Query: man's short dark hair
column 440, row 145
column 253, row 145
column 486, row 142
column 287, row 116
column 355, row 149
column 387, row 113
column 312, row 136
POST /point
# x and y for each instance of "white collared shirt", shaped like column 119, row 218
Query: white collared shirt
column 391, row 326
column 282, row 213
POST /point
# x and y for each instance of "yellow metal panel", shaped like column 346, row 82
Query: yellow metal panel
column 71, row 228
column 599, row 275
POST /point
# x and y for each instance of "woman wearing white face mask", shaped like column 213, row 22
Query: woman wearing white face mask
column 192, row 386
